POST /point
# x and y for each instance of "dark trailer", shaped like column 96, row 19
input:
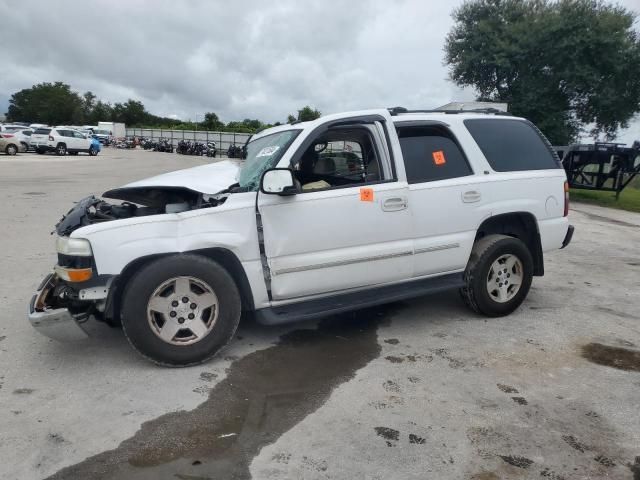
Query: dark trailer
column 608, row 167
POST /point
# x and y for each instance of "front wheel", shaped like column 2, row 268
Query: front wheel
column 180, row 310
column 93, row 151
column 498, row 275
column 61, row 149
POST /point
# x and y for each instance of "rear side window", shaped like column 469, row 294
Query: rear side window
column 42, row 131
column 431, row 153
column 512, row 145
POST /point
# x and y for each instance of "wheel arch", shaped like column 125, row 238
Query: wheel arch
column 521, row 225
column 226, row 258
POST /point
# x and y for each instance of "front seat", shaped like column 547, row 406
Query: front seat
column 325, row 166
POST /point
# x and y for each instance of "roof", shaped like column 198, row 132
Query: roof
column 398, row 114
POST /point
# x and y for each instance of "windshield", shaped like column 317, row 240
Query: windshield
column 262, row 154
column 101, row 132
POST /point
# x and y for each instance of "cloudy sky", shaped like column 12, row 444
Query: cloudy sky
column 247, row 58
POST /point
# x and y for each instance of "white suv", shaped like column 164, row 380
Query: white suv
column 61, row 140
column 346, row 211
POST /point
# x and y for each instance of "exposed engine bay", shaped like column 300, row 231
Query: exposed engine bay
column 137, row 202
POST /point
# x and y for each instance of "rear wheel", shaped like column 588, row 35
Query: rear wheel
column 498, row 275
column 180, row 310
column 11, row 149
column 61, row 149
column 40, row 151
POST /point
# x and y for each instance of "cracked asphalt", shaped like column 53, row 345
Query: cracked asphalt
column 418, row 389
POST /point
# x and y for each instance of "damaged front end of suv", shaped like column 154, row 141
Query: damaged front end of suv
column 76, row 290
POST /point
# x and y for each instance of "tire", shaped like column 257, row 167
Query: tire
column 93, row 151
column 11, row 149
column 496, row 264
column 25, row 146
column 158, row 290
column 40, row 151
column 61, row 149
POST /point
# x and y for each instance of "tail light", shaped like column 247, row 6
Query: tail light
column 7, row 135
column 50, row 138
column 566, row 198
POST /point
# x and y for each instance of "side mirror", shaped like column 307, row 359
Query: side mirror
column 278, row 181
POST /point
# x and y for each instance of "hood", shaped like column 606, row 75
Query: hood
column 208, row 179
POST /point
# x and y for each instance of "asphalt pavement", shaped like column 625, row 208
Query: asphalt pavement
column 418, row 389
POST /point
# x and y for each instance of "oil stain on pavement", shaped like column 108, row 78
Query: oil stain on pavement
column 264, row 395
column 616, row 357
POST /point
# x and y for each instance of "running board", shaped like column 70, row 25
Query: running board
column 320, row 307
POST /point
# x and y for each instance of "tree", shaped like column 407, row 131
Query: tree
column 291, row 119
column 88, row 104
column 101, row 112
column 50, row 103
column 566, row 65
column 132, row 112
column 212, row 122
column 307, row 113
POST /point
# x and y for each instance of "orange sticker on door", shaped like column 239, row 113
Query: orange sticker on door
column 438, row 158
column 366, row 194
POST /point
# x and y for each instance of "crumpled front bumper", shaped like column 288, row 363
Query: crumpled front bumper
column 56, row 323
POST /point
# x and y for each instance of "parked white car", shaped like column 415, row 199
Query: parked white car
column 343, row 212
column 61, row 140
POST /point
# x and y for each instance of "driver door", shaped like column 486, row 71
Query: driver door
column 356, row 232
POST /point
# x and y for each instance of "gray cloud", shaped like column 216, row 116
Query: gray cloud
column 240, row 59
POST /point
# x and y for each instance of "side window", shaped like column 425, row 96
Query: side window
column 78, row 135
column 511, row 145
column 431, row 153
column 27, row 132
column 340, row 157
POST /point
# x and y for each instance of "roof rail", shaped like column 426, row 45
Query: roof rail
column 493, row 111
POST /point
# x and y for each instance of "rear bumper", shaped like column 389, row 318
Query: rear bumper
column 52, row 322
column 568, row 236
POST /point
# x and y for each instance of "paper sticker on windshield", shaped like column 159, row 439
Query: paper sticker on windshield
column 438, row 157
column 268, row 151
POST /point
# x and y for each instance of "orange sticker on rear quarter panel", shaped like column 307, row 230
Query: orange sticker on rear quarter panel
column 366, row 194
column 438, row 157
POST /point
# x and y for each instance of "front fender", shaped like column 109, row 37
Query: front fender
column 118, row 243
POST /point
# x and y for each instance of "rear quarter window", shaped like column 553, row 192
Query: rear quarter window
column 512, row 145
column 431, row 153
column 42, row 131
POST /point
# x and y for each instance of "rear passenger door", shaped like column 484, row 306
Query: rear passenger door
column 444, row 196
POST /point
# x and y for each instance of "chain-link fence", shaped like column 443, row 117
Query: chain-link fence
column 223, row 139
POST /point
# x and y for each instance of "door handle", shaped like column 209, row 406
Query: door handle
column 394, row 204
column 471, row 196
